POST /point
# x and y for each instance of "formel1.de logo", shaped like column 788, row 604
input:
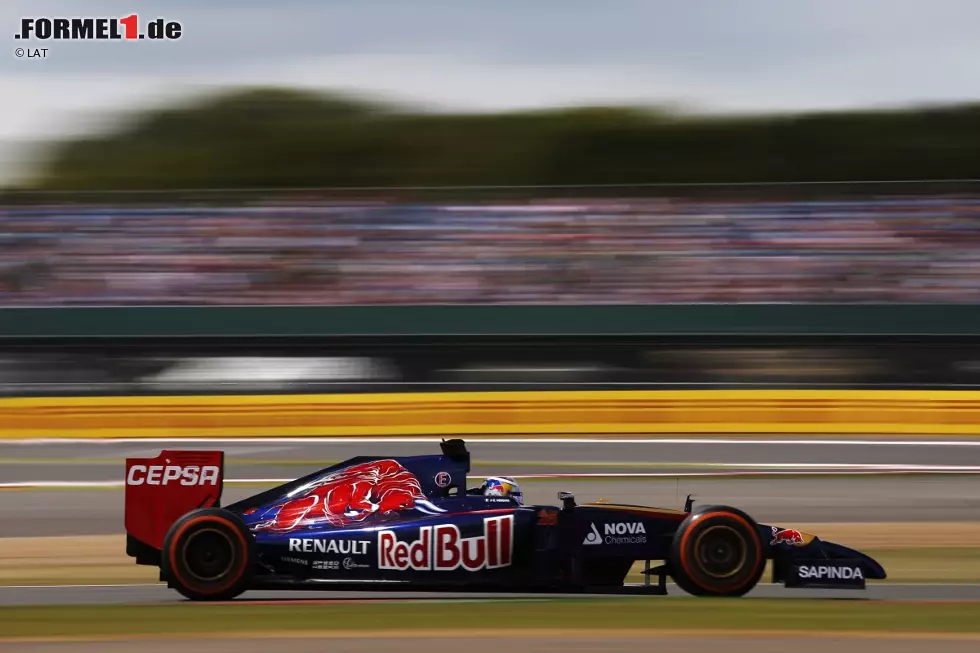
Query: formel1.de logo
column 127, row 28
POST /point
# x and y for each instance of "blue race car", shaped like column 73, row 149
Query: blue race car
column 412, row 523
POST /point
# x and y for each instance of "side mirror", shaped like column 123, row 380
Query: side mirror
column 567, row 500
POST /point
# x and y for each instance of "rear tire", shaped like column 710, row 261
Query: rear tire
column 717, row 551
column 207, row 555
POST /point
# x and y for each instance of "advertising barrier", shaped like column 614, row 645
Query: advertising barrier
column 921, row 412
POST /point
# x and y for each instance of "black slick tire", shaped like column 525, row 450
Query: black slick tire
column 717, row 551
column 207, row 555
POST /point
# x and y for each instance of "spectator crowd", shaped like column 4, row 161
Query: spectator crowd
column 630, row 251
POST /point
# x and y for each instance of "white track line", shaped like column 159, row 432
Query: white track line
column 842, row 472
column 494, row 440
column 847, row 466
column 46, row 587
column 768, row 470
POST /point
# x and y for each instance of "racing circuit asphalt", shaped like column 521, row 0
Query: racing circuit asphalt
column 791, row 497
column 927, row 497
column 159, row 593
column 96, row 460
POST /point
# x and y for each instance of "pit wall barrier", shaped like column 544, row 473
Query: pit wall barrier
column 920, row 412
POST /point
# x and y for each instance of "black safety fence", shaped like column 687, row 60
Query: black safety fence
column 481, row 364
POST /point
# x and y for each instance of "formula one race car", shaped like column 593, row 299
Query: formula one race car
column 410, row 523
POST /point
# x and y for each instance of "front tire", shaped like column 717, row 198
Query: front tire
column 717, row 551
column 207, row 555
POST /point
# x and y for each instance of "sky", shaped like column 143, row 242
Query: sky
column 473, row 55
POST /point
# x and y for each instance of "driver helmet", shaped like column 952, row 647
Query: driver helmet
column 503, row 486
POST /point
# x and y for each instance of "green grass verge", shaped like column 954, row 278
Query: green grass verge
column 611, row 614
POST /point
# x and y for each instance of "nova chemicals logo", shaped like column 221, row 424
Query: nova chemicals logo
column 618, row 533
column 128, row 28
column 593, row 537
column 625, row 533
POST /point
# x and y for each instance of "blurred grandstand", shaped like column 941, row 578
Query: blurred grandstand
column 569, row 251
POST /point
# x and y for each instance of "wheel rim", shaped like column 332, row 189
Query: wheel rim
column 721, row 551
column 208, row 554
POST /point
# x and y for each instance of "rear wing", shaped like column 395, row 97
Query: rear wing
column 161, row 490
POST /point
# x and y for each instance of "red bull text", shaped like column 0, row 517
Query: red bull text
column 443, row 548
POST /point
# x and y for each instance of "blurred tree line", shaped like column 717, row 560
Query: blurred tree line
column 283, row 138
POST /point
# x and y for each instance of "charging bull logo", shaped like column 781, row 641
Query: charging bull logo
column 789, row 536
column 349, row 496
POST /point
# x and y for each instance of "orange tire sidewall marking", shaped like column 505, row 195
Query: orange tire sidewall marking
column 684, row 560
column 176, row 540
